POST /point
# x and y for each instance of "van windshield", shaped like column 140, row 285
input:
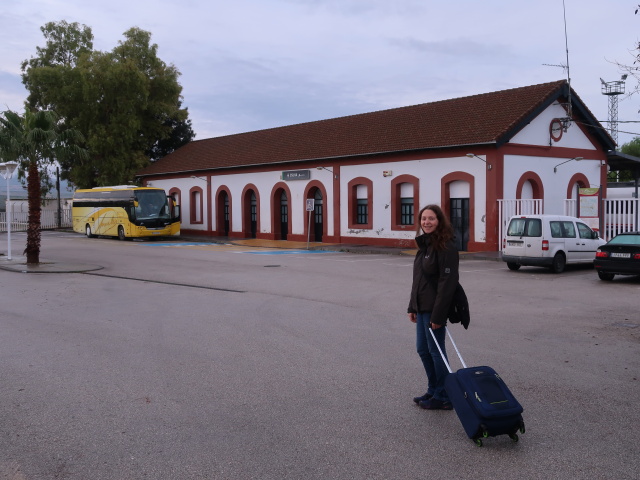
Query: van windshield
column 525, row 227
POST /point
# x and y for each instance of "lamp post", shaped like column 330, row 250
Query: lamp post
column 577, row 159
column 472, row 155
column 6, row 170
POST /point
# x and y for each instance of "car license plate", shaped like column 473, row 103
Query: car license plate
column 514, row 244
column 621, row 255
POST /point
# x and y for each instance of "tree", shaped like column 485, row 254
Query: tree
column 35, row 140
column 181, row 134
column 630, row 148
column 126, row 103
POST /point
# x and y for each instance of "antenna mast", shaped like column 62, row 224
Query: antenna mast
column 566, row 43
column 612, row 90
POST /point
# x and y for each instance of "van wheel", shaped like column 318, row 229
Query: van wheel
column 513, row 266
column 87, row 230
column 559, row 262
column 121, row 235
column 607, row 277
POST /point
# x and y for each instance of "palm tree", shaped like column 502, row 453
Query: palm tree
column 35, row 140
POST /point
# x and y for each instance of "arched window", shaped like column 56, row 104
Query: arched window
column 405, row 202
column 196, row 204
column 360, row 203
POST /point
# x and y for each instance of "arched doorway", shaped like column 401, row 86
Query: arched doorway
column 250, row 213
column 224, row 203
column 284, row 215
column 223, row 212
column 459, row 212
column 318, row 216
column 253, row 213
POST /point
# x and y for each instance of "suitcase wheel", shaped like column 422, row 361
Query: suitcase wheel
column 514, row 437
column 478, row 442
column 522, row 428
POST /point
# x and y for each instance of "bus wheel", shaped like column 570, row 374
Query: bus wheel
column 121, row 235
column 88, row 231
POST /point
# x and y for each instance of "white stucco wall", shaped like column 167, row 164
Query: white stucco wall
column 430, row 172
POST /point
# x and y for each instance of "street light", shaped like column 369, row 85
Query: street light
column 577, row 159
column 6, row 170
column 471, row 155
column 328, row 170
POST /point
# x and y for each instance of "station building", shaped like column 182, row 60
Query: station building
column 362, row 179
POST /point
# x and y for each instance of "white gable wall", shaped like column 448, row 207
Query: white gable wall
column 537, row 132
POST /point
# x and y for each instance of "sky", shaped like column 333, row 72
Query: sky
column 253, row 64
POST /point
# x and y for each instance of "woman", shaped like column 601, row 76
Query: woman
column 435, row 277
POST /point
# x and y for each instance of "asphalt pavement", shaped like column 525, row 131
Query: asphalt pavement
column 19, row 264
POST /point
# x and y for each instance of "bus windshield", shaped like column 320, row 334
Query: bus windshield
column 152, row 204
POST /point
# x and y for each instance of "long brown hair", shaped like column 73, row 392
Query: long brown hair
column 443, row 232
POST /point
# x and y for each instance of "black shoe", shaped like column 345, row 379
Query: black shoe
column 435, row 404
column 423, row 398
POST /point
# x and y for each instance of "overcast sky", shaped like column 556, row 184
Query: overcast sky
column 253, row 64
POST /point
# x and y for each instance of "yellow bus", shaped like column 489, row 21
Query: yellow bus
column 124, row 212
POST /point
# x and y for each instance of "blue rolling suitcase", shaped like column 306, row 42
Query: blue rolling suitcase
column 484, row 404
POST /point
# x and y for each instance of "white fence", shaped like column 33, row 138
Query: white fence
column 620, row 215
column 509, row 208
column 48, row 220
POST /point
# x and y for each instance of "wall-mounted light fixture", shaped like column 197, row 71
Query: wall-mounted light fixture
column 577, row 159
column 328, row 170
column 471, row 155
column 387, row 173
column 201, row 178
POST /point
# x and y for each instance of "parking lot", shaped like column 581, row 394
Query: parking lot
column 207, row 361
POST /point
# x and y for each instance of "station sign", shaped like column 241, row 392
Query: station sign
column 296, row 175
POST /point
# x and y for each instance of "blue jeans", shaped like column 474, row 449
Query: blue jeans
column 431, row 359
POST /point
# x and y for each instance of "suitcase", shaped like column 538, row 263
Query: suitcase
column 483, row 402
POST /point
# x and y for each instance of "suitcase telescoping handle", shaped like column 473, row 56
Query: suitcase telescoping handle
column 444, row 359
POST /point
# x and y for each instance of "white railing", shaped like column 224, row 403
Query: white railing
column 620, row 215
column 48, row 220
column 509, row 208
column 570, row 207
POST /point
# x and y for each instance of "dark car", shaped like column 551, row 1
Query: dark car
column 621, row 256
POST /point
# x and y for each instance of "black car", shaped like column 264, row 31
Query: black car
column 621, row 256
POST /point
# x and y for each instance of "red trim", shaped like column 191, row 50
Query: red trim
column 337, row 214
column 581, row 180
column 219, row 230
column 396, row 187
column 276, row 192
column 557, row 136
column 309, row 192
column 176, row 194
column 536, row 185
column 445, row 193
column 352, row 192
column 192, row 207
column 246, row 210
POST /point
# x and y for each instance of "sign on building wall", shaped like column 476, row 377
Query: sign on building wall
column 296, row 175
column 589, row 206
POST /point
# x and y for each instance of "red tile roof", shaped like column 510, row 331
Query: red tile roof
column 478, row 119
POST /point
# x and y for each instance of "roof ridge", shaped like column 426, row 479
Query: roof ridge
column 385, row 110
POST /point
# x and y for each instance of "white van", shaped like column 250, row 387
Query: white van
column 548, row 241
